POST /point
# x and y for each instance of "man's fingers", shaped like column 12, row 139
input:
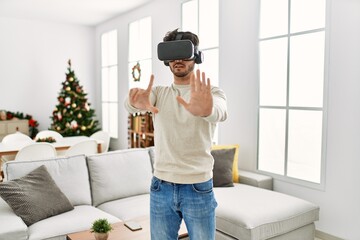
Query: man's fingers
column 133, row 94
column 151, row 82
column 197, row 81
column 182, row 101
column 154, row 109
column 192, row 83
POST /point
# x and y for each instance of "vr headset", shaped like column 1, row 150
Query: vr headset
column 178, row 50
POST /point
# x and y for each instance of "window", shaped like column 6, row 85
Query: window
column 291, row 88
column 109, row 83
column 202, row 18
column 140, row 53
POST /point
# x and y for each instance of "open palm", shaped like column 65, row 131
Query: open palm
column 140, row 98
column 201, row 100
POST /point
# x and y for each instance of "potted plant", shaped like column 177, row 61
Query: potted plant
column 101, row 229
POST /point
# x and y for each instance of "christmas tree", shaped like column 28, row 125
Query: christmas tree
column 72, row 115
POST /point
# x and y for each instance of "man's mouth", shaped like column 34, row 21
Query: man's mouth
column 179, row 66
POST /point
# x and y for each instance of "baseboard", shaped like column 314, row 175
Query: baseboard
column 326, row 236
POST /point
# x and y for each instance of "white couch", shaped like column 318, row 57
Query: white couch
column 115, row 185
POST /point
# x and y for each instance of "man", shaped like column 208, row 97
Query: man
column 185, row 116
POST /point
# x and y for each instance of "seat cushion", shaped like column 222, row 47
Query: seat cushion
column 251, row 213
column 79, row 219
column 12, row 226
column 119, row 174
column 128, row 208
column 70, row 175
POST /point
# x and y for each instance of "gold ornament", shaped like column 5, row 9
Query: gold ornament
column 79, row 115
column 74, row 105
column 68, row 89
column 71, row 79
column 58, row 128
column 83, row 128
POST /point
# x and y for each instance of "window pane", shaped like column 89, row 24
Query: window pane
column 211, row 66
column 307, row 70
column 140, row 39
column 105, row 117
column 304, row 149
column 113, row 84
column 190, row 16
column 273, row 18
column 209, row 23
column 105, row 49
column 109, row 48
column 272, row 140
column 105, row 84
column 146, row 71
column 113, row 119
column 307, row 15
column 112, row 47
column 273, row 72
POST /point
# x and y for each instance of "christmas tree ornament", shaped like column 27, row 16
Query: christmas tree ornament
column 71, row 79
column 68, row 89
column 73, row 105
column 83, row 128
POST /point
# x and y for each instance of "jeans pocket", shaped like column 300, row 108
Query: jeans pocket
column 204, row 187
column 155, row 184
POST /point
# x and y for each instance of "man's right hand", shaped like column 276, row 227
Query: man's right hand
column 140, row 98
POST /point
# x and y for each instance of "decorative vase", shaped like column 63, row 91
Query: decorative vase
column 101, row 236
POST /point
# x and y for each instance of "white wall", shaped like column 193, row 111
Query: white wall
column 339, row 202
column 33, row 63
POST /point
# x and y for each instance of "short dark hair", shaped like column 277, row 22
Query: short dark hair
column 171, row 36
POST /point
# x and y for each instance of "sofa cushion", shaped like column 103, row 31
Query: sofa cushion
column 79, row 219
column 235, row 173
column 251, row 213
column 12, row 226
column 35, row 196
column 119, row 174
column 128, row 208
column 70, row 175
column 223, row 164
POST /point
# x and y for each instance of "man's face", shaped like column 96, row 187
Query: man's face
column 181, row 68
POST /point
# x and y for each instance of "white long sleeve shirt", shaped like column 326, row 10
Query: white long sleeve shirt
column 183, row 141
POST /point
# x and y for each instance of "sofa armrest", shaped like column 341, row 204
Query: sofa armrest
column 255, row 179
column 11, row 226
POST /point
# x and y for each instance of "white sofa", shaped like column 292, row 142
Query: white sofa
column 115, row 185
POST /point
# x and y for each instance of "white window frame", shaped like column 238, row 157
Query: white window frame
column 141, row 41
column 287, row 108
column 109, row 91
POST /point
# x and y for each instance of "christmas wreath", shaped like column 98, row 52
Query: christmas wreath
column 33, row 124
column 136, row 72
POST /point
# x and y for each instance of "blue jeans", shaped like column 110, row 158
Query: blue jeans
column 170, row 203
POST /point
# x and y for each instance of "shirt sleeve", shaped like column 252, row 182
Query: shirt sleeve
column 219, row 110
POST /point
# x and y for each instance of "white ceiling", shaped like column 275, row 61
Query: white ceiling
column 84, row 12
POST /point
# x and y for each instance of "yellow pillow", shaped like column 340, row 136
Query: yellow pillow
column 235, row 171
